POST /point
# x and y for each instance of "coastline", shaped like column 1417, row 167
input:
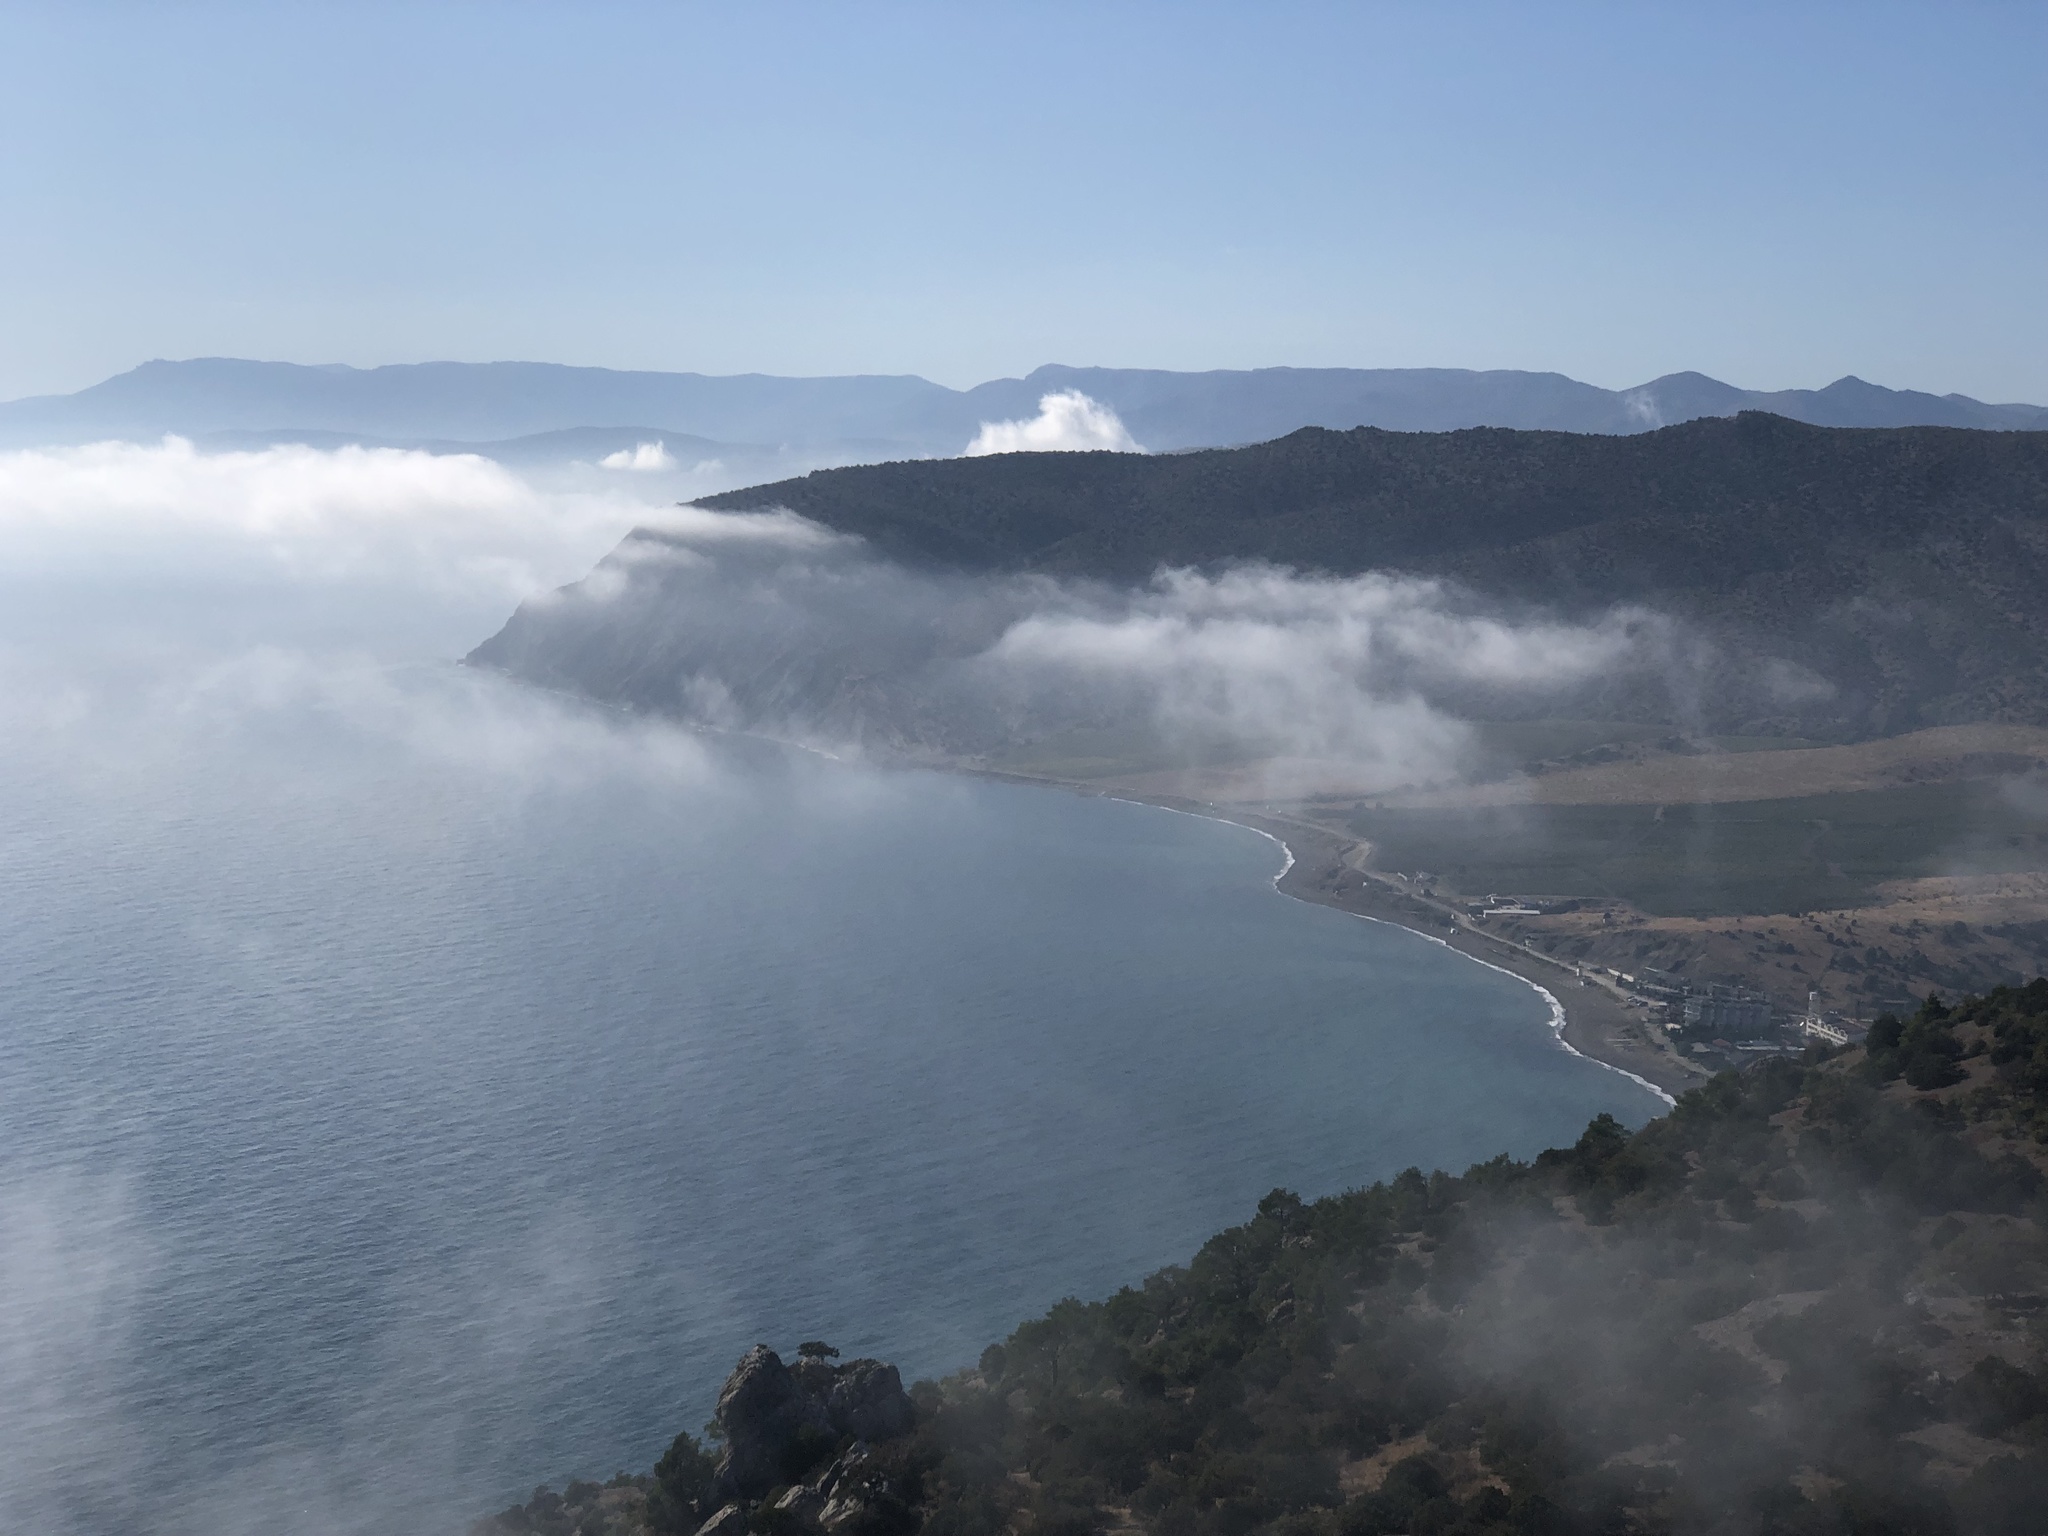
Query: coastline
column 1588, row 1018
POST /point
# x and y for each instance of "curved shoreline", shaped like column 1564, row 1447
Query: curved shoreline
column 1558, row 1022
column 1560, row 1019
column 1323, row 867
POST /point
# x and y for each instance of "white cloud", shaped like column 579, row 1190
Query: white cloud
column 780, row 627
column 1352, row 669
column 688, row 524
column 1067, row 422
column 447, row 530
column 644, row 458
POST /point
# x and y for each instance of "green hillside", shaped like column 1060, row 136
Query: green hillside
column 1810, row 1300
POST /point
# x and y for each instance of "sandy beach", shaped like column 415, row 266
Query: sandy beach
column 1598, row 1023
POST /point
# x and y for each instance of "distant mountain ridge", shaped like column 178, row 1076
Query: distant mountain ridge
column 903, row 416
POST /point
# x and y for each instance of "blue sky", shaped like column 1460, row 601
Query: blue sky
column 1774, row 194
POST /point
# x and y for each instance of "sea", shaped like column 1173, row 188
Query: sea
column 415, row 1087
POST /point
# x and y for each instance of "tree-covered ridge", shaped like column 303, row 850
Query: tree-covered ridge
column 1371, row 499
column 1903, row 565
column 1808, row 1300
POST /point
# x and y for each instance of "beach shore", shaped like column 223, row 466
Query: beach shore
column 1328, row 869
column 1597, row 1022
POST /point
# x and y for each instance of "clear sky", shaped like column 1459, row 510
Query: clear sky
column 1774, row 194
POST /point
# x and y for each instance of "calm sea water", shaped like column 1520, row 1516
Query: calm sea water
column 413, row 1088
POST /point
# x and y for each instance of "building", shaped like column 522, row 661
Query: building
column 1834, row 1030
column 1830, row 1027
column 1661, row 985
column 1727, row 1013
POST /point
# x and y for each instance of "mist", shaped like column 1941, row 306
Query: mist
column 764, row 622
column 239, row 765
column 224, row 685
column 235, row 704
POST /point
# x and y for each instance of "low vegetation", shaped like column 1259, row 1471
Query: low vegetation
column 1809, row 1300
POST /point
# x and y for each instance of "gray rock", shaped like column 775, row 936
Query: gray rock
column 729, row 1521
column 767, row 1408
column 762, row 1411
column 814, row 1378
column 867, row 1401
column 841, row 1513
column 852, row 1484
column 804, row 1501
column 843, row 1473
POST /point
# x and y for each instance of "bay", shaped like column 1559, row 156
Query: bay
column 414, row 1088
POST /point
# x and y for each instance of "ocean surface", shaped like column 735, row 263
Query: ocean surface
column 413, row 1087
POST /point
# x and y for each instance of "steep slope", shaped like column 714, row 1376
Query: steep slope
column 1805, row 1303
column 1898, row 574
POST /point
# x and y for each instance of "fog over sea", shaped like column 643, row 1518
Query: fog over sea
column 413, row 1086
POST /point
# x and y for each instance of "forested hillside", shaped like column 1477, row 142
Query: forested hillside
column 1901, row 568
column 1701, row 506
column 1809, row 1300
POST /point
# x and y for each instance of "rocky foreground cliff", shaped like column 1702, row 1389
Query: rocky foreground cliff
column 1812, row 1299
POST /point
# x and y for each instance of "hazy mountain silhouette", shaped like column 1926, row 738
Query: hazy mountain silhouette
column 898, row 416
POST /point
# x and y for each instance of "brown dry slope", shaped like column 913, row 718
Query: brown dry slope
column 1944, row 755
column 1906, row 930
column 1951, row 935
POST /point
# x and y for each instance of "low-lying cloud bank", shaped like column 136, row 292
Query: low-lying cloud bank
column 293, row 513
column 642, row 458
column 768, row 623
column 1356, row 670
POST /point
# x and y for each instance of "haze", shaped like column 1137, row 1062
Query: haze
column 675, row 679
column 1772, row 196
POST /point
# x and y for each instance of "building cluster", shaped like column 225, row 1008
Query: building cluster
column 1711, row 1018
column 1737, row 1020
column 1828, row 1026
column 1522, row 906
column 1725, row 1013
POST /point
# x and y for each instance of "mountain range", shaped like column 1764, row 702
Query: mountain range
column 500, row 407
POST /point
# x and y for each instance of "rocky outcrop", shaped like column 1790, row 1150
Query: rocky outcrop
column 859, row 1493
column 763, row 1415
column 729, row 1521
column 867, row 1401
column 780, row 1422
column 854, row 1496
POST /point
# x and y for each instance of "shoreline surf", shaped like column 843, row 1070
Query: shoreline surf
column 1320, row 868
column 1559, row 1018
